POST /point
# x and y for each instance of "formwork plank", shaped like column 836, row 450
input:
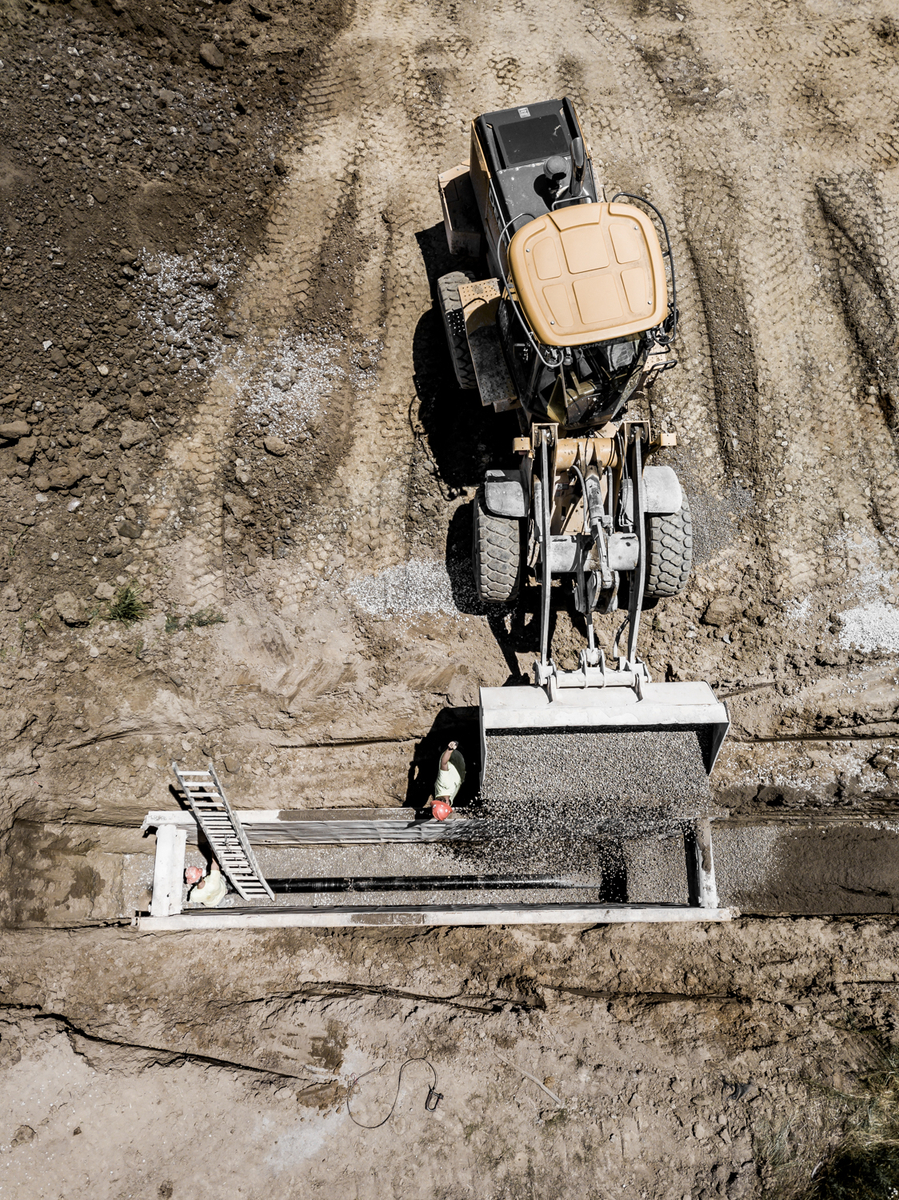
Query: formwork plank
column 512, row 914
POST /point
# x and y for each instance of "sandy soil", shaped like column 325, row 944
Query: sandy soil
column 222, row 377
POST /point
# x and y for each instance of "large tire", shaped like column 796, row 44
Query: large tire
column 454, row 325
column 670, row 542
column 496, row 551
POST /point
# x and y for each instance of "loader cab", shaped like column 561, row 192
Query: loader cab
column 587, row 303
column 526, row 162
column 585, row 293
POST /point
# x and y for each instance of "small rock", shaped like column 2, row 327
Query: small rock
column 274, row 445
column 280, row 166
column 14, row 430
column 90, row 416
column 105, row 591
column 10, row 599
column 132, row 433
column 70, row 609
column 166, row 97
column 722, row 611
column 22, row 1135
column 130, row 530
column 212, row 56
column 26, row 449
column 61, row 478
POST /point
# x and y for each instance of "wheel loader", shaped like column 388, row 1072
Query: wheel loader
column 570, row 318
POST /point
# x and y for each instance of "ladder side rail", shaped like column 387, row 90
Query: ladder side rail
column 241, row 835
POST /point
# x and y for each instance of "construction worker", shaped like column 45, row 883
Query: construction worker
column 210, row 889
column 450, row 777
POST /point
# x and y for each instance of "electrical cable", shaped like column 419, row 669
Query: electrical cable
column 433, row 1098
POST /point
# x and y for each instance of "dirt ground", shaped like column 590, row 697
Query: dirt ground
column 223, row 378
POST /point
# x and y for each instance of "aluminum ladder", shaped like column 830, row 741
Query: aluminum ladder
column 223, row 831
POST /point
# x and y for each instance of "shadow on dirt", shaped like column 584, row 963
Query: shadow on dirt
column 453, row 724
column 463, row 436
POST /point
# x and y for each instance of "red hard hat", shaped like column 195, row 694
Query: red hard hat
column 441, row 810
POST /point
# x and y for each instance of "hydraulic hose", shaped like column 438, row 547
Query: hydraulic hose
column 547, row 576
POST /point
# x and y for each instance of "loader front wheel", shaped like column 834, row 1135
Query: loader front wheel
column 669, row 539
column 454, row 326
column 496, row 551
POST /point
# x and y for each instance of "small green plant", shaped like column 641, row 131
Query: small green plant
column 206, row 616
column 197, row 620
column 128, row 605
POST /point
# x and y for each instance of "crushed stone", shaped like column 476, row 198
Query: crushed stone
column 288, row 382
column 416, row 586
column 868, row 627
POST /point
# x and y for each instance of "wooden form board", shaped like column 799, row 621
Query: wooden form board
column 510, row 914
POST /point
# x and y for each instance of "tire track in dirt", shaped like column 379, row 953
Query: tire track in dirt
column 804, row 357
column 639, row 148
column 183, row 538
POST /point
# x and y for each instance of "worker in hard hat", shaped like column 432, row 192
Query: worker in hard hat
column 209, row 890
column 450, row 777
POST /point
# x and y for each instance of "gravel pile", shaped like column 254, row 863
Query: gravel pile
column 870, row 627
column 588, row 774
column 286, row 384
column 417, row 586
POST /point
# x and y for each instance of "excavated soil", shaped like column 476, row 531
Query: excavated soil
column 223, row 380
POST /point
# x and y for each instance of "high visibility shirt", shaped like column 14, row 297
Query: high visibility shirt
column 448, row 782
column 211, row 890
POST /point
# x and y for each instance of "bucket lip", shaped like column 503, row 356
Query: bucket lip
column 677, row 706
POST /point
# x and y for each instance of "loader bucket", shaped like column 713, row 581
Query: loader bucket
column 591, row 742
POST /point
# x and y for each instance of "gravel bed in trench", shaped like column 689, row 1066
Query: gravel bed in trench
column 599, row 869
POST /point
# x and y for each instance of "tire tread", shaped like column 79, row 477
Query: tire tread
column 670, row 543
column 496, row 553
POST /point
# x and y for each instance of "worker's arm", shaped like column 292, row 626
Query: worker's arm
column 447, row 755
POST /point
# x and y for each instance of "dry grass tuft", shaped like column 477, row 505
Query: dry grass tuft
column 841, row 1144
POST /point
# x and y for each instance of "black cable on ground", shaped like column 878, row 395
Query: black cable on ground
column 433, row 1098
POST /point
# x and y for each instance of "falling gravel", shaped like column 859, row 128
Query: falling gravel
column 563, row 800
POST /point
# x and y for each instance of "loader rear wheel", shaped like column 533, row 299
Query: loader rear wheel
column 496, row 550
column 454, row 325
column 670, row 542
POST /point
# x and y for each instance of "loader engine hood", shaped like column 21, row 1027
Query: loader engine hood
column 589, row 273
